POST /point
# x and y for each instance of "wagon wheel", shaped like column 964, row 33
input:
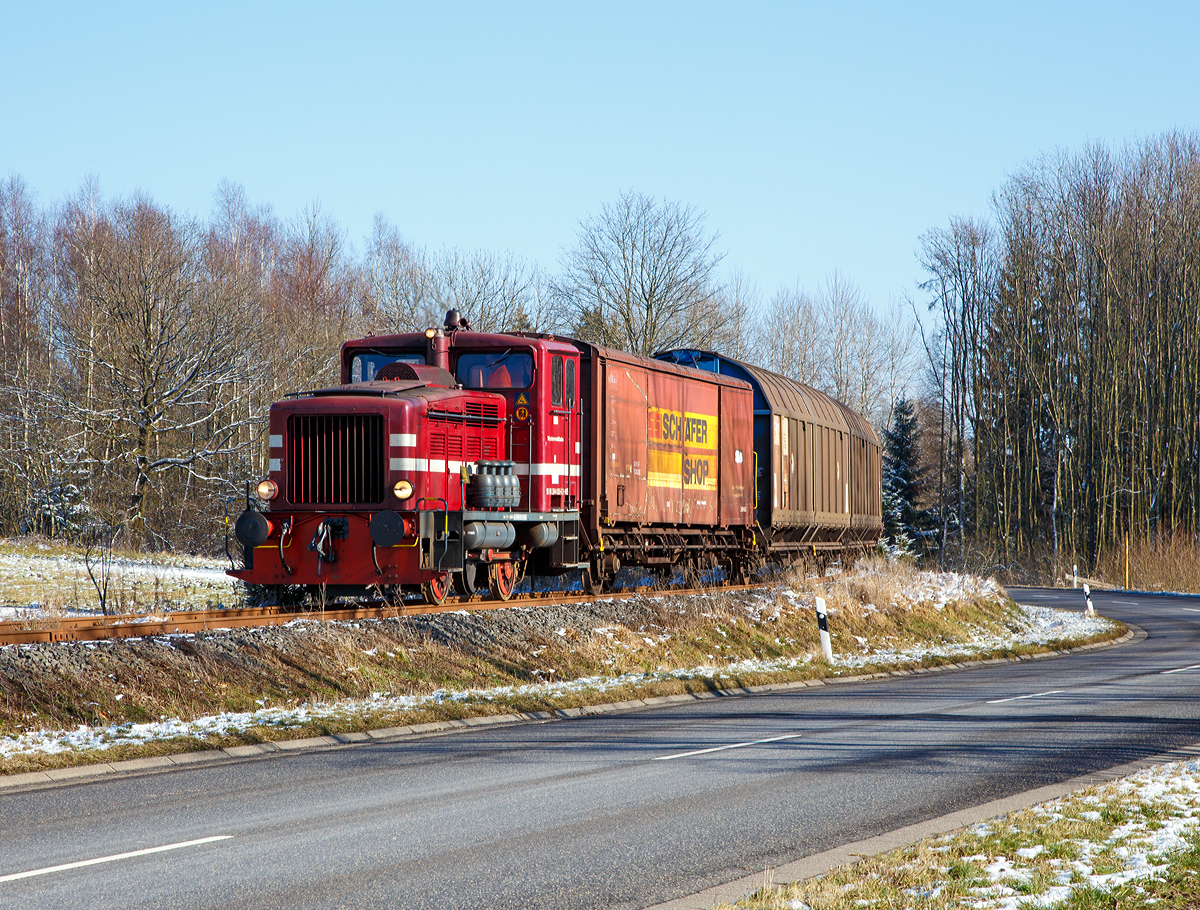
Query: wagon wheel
column 436, row 589
column 730, row 567
column 739, row 571
column 293, row 597
column 466, row 582
column 593, row 583
column 502, row 578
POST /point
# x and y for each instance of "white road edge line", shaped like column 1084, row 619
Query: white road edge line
column 1180, row 670
column 1190, row 609
column 757, row 742
column 999, row 701
column 109, row 859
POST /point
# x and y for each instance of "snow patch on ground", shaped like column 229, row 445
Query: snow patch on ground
column 1143, row 845
column 16, row 565
column 29, row 577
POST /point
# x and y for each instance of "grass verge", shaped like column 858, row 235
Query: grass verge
column 1132, row 843
column 71, row 704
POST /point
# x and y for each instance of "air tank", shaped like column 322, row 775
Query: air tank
column 488, row 535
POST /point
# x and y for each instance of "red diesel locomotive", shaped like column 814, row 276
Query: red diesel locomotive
column 469, row 459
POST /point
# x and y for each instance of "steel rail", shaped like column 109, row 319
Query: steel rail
column 184, row 622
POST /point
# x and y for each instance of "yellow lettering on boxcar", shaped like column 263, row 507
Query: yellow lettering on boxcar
column 679, row 447
column 700, row 431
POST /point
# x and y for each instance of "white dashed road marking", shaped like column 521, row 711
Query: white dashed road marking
column 757, row 742
column 109, row 859
column 1034, row 695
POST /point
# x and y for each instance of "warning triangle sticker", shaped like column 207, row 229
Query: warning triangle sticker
column 521, row 399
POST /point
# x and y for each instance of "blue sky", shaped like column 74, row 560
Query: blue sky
column 815, row 136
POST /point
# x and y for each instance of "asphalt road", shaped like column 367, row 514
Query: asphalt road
column 621, row 810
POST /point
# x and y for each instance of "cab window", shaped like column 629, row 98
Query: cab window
column 363, row 367
column 495, row 370
column 570, row 383
column 556, row 381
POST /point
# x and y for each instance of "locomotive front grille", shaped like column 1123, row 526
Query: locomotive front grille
column 335, row 459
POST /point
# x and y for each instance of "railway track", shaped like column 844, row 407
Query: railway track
column 182, row 622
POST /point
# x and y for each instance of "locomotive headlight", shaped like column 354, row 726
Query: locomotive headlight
column 403, row 489
column 267, row 489
column 429, row 333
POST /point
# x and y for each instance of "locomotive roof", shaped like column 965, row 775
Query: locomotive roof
column 785, row 396
column 463, row 337
column 471, row 338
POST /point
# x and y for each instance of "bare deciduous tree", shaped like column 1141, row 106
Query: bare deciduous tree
column 496, row 292
column 158, row 331
column 836, row 343
column 315, row 299
column 410, row 289
column 400, row 285
column 31, row 484
column 792, row 337
column 739, row 300
column 1066, row 354
column 642, row 277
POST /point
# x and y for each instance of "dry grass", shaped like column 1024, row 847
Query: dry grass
column 1162, row 564
column 1159, row 563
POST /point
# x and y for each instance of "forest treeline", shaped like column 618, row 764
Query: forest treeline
column 1065, row 363
column 1047, row 384
column 142, row 347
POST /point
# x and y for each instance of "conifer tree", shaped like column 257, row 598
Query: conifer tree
column 905, row 525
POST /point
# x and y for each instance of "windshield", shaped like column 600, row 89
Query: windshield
column 363, row 367
column 495, row 370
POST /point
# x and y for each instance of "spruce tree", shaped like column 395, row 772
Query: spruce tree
column 905, row 526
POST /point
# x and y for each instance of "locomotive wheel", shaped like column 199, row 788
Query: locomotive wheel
column 436, row 589
column 502, row 578
column 466, row 582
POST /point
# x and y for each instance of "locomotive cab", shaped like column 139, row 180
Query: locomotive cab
column 448, row 457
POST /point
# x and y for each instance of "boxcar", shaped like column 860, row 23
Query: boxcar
column 669, row 466
column 818, row 462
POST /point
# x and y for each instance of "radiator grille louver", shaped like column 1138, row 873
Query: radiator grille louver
column 335, row 459
column 482, row 409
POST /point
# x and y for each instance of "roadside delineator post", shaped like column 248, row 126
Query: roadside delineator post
column 1075, row 576
column 1087, row 595
column 823, row 627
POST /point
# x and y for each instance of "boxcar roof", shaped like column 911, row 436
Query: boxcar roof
column 646, row 363
column 783, row 395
